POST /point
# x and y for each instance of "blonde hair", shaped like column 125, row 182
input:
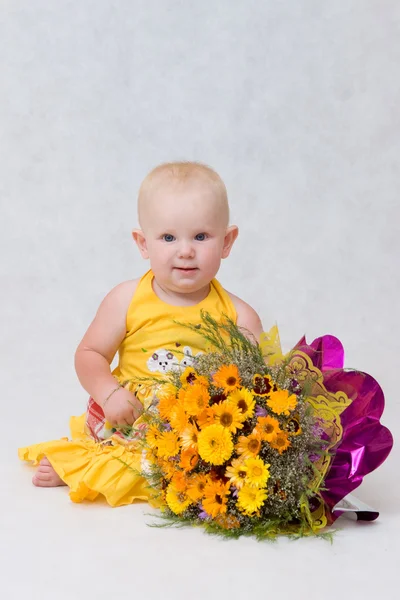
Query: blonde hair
column 183, row 173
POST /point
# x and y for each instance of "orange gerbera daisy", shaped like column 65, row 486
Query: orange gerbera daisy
column 189, row 459
column 196, row 486
column 179, row 480
column 227, row 377
column 236, row 473
column 268, row 427
column 206, row 417
column 281, row 402
column 215, row 498
column 249, row 445
column 281, row 442
column 166, row 405
column 178, row 418
column 197, row 399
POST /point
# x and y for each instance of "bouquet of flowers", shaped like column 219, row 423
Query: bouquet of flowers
column 248, row 441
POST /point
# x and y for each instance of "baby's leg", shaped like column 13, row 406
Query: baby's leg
column 46, row 476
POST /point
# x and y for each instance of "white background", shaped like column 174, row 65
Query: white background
column 296, row 105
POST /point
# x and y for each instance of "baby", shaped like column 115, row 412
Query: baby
column 184, row 219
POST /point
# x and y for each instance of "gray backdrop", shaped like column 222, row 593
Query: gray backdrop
column 296, row 105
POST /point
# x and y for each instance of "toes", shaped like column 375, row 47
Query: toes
column 44, row 462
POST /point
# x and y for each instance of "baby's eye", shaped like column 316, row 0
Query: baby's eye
column 200, row 237
column 168, row 237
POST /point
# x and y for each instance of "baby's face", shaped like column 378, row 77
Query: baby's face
column 185, row 236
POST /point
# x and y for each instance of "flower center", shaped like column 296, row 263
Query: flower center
column 257, row 471
column 242, row 474
column 226, row 419
column 231, row 381
column 242, row 404
column 218, row 499
column 254, row 445
column 269, row 428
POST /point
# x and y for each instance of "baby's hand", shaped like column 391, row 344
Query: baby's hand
column 123, row 408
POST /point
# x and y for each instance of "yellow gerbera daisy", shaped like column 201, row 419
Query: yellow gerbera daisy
column 215, row 498
column 177, row 501
column 197, row 399
column 168, row 444
column 249, row 445
column 280, row 402
column 196, row 486
column 206, row 417
column 189, row 459
column 236, row 473
column 189, row 437
column 178, row 418
column 215, row 444
column 153, row 436
column 281, row 442
column 168, row 467
column 262, row 384
column 257, row 472
column 228, row 415
column 267, row 427
column 245, row 402
column 250, row 499
column 227, row 377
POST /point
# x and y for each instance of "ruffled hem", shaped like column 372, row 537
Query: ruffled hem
column 91, row 469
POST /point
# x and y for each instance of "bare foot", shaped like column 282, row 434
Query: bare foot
column 46, row 476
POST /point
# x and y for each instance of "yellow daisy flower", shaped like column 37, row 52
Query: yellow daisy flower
column 189, row 459
column 249, row 446
column 197, row 399
column 168, row 467
column 236, row 473
column 280, row 402
column 281, row 442
column 257, row 473
column 250, row 499
column 227, row 377
column 206, row 417
column 215, row 498
column 153, row 436
column 245, row 402
column 267, row 427
column 189, row 437
column 215, row 444
column 228, row 415
column 168, row 444
column 177, row 501
column 196, row 486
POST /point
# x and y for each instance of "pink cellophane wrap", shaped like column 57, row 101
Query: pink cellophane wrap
column 365, row 443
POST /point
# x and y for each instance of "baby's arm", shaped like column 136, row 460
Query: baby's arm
column 247, row 317
column 97, row 350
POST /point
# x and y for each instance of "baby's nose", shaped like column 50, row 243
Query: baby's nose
column 186, row 250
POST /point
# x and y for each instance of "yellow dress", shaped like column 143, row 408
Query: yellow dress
column 97, row 459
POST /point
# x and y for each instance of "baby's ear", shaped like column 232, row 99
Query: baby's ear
column 140, row 240
column 230, row 236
